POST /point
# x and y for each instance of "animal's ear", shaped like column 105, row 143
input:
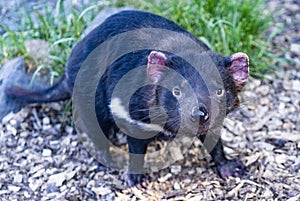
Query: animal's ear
column 156, row 65
column 238, row 66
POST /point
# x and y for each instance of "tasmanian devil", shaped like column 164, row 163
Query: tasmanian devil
column 173, row 72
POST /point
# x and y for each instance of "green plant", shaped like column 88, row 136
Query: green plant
column 61, row 29
column 225, row 26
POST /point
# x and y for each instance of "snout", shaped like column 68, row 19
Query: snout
column 200, row 112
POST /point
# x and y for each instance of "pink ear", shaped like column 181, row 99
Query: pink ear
column 239, row 68
column 156, row 65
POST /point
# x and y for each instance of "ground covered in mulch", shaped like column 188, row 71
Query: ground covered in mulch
column 42, row 158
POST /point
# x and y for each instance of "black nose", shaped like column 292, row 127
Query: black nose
column 201, row 112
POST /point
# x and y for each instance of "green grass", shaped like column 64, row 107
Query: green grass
column 60, row 29
column 225, row 26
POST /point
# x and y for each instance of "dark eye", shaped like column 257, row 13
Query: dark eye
column 176, row 91
column 220, row 92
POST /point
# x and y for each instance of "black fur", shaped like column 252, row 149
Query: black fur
column 139, row 105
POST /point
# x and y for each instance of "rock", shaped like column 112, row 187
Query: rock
column 165, row 178
column 71, row 174
column 38, row 50
column 264, row 101
column 46, row 120
column 268, row 174
column 26, row 194
column 18, row 178
column 295, row 48
column 34, row 184
column 176, row 153
column 56, row 106
column 13, row 188
column 12, row 73
column 263, row 90
column 101, row 190
column 57, row 179
column 8, row 117
column 296, row 85
column 287, row 84
column 176, row 186
column 295, row 198
column 268, row 194
column 47, row 153
column 282, row 158
column 69, row 130
column 175, row 169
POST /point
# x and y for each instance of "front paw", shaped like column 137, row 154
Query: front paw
column 134, row 179
column 232, row 168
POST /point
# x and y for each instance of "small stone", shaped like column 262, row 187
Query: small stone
column 284, row 99
column 13, row 122
column 296, row 85
column 56, row 106
column 191, row 172
column 274, row 124
column 263, row 90
column 176, row 153
column 26, row 194
column 268, row 174
column 11, row 129
column 176, row 186
column 175, row 169
column 165, row 178
column 46, row 120
column 295, row 48
column 226, row 136
column 46, row 152
column 252, row 158
column 70, row 175
column 254, row 84
column 295, row 198
column 57, row 179
column 13, row 188
column 200, row 170
column 51, row 188
column 74, row 144
column 287, row 85
column 8, row 117
column 229, row 151
column 281, row 159
column 35, row 169
column 91, row 184
column 264, row 101
column 18, row 178
column 102, row 191
column 35, row 184
column 38, row 173
column 69, row 129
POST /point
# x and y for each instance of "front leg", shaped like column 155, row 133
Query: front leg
column 226, row 168
column 137, row 150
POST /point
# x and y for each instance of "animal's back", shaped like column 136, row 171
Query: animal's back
column 116, row 24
